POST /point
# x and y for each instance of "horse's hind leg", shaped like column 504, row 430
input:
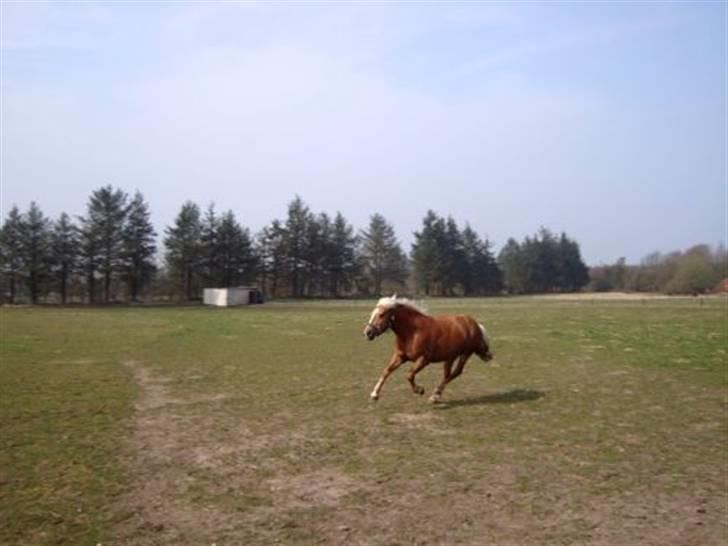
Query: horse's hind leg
column 413, row 371
column 446, row 370
column 448, row 375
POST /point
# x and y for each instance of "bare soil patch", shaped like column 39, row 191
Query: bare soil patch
column 426, row 422
column 165, row 451
column 326, row 487
column 186, row 458
column 185, row 471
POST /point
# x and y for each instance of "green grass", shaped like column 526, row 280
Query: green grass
column 595, row 419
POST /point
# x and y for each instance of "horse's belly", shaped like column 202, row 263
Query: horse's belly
column 445, row 356
column 451, row 351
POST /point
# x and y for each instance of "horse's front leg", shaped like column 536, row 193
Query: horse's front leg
column 394, row 363
column 413, row 371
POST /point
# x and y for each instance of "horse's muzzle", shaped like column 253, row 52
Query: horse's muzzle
column 371, row 332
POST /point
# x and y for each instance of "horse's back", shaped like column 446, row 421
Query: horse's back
column 456, row 335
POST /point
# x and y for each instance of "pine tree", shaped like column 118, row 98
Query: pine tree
column 184, row 248
column 483, row 276
column 428, row 254
column 235, row 252
column 317, row 235
column 472, row 249
column 510, row 261
column 11, row 251
column 382, row 256
column 65, row 252
column 102, row 237
column 573, row 272
column 299, row 218
column 89, row 255
column 547, row 267
column 343, row 264
column 271, row 249
column 209, row 247
column 36, row 250
column 490, row 275
column 138, row 246
column 454, row 265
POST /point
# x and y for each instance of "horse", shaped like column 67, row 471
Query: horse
column 423, row 339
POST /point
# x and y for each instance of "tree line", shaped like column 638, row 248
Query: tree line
column 110, row 254
column 113, row 244
column 697, row 270
column 543, row 263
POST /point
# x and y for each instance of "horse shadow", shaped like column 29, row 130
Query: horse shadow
column 509, row 397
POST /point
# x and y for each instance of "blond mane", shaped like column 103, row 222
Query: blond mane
column 390, row 302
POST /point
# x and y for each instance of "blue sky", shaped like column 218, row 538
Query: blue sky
column 604, row 120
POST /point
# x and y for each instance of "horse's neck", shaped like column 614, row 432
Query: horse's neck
column 406, row 321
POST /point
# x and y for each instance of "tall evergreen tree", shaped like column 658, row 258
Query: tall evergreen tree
column 209, row 247
column 428, row 254
column 272, row 244
column 546, row 267
column 482, row 274
column 65, row 252
column 382, row 256
column 297, row 231
column 323, row 255
column 184, row 248
column 316, row 254
column 89, row 255
column 454, row 263
column 490, row 276
column 11, row 251
column 510, row 261
column 573, row 272
column 138, row 246
column 472, row 249
column 342, row 259
column 102, row 237
column 235, row 252
column 36, row 250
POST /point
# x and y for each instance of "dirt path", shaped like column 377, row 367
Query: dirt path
column 201, row 476
column 166, row 450
column 192, row 466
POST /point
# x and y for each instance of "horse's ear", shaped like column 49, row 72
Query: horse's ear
column 394, row 296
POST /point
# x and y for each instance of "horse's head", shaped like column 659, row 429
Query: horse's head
column 381, row 318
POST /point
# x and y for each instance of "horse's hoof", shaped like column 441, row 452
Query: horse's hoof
column 434, row 399
column 419, row 390
column 373, row 398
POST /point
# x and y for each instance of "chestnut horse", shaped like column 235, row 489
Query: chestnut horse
column 422, row 339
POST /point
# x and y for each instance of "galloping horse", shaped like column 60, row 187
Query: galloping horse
column 422, row 339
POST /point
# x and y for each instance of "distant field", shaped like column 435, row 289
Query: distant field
column 600, row 421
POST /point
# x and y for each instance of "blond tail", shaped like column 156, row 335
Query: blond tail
column 485, row 354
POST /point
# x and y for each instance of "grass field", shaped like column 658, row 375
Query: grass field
column 598, row 422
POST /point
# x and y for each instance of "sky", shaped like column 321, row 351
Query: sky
column 604, row 120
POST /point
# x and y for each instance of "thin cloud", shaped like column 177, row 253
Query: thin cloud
column 546, row 46
column 361, row 110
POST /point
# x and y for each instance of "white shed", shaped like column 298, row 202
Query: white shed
column 224, row 297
